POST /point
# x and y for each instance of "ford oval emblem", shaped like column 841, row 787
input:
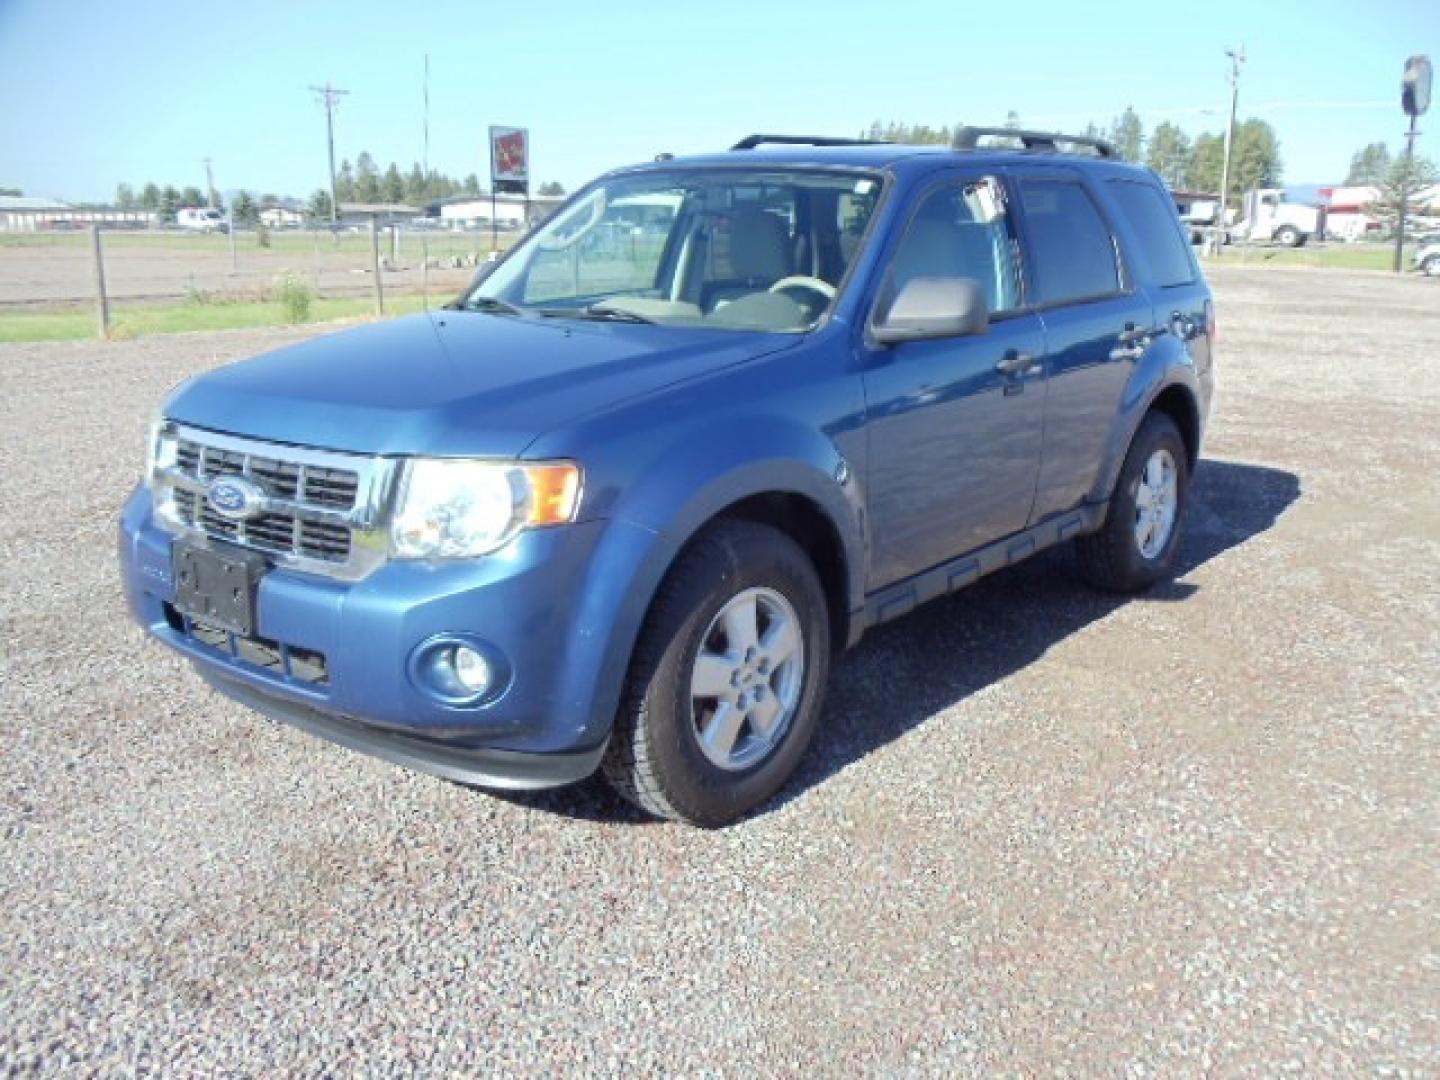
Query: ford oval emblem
column 234, row 498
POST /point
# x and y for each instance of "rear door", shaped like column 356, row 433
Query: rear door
column 954, row 431
column 1179, row 296
column 1096, row 321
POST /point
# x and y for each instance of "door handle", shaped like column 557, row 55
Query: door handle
column 1184, row 326
column 1015, row 362
column 1139, row 335
column 1134, row 340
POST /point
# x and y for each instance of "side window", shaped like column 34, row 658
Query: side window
column 1152, row 220
column 1072, row 252
column 961, row 230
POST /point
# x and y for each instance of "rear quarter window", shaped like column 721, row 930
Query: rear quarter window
column 1072, row 253
column 1161, row 249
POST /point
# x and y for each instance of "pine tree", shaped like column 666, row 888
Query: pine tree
column 169, row 204
column 367, row 179
column 393, row 186
column 318, row 208
column 1370, row 165
column 245, row 211
column 1168, row 153
column 1127, row 135
column 345, row 183
column 415, row 190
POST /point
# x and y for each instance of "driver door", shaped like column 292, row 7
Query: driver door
column 955, row 423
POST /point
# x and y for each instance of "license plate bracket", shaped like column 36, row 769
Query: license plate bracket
column 216, row 585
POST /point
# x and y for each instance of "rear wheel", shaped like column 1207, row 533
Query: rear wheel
column 726, row 684
column 1430, row 266
column 1137, row 544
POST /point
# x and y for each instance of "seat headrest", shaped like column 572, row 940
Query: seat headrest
column 759, row 246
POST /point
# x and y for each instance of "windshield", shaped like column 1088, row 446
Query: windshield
column 723, row 248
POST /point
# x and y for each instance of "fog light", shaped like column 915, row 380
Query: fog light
column 458, row 672
column 471, row 669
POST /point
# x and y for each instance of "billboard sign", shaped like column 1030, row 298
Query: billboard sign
column 1415, row 88
column 510, row 160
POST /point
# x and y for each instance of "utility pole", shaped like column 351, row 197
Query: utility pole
column 1408, row 178
column 1415, row 100
column 1237, row 57
column 425, row 169
column 330, row 97
column 210, row 192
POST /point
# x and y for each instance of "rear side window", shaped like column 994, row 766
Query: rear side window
column 1151, row 217
column 1072, row 253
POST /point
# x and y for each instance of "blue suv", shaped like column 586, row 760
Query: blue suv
column 619, row 505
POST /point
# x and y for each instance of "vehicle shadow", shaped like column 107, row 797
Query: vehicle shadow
column 905, row 672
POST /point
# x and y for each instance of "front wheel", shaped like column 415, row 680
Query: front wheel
column 1430, row 266
column 726, row 684
column 1289, row 236
column 1136, row 546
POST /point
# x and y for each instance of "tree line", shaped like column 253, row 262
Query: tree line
column 360, row 182
column 1183, row 162
column 1395, row 178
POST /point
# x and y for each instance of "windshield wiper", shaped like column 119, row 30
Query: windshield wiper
column 602, row 312
column 490, row 304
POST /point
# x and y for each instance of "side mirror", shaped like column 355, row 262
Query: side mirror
column 933, row 307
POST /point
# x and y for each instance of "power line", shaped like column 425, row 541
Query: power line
column 330, row 97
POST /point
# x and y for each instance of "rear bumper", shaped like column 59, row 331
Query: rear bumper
column 466, row 765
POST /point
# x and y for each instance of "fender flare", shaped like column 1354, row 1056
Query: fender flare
column 669, row 504
column 1157, row 372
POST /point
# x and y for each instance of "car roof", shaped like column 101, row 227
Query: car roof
column 875, row 156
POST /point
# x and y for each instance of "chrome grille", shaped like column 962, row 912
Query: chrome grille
column 321, row 509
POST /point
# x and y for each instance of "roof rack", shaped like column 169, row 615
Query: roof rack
column 968, row 138
column 750, row 142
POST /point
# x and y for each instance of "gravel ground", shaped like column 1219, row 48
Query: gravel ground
column 1042, row 831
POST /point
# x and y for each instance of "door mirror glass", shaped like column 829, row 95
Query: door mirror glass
column 934, row 307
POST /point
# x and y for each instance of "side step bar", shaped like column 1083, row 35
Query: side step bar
column 903, row 597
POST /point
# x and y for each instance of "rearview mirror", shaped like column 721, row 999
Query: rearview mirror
column 934, row 307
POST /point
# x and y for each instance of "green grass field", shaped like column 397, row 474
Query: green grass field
column 1364, row 256
column 73, row 323
column 440, row 242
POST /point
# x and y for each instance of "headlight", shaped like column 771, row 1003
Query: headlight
column 455, row 508
column 159, row 447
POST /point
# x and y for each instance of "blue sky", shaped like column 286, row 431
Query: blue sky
column 93, row 92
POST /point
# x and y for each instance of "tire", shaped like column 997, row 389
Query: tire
column 658, row 757
column 1114, row 558
column 1430, row 267
column 1289, row 236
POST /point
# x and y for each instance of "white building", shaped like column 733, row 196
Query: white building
column 29, row 213
column 510, row 211
column 281, row 217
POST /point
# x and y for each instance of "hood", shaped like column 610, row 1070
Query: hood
column 453, row 383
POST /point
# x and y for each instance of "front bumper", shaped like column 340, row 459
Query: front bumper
column 551, row 607
column 466, row 765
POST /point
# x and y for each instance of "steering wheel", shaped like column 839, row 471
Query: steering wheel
column 805, row 281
